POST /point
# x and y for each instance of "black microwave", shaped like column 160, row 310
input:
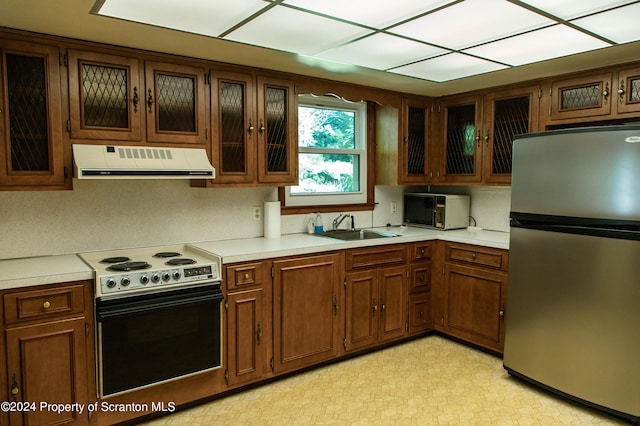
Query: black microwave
column 438, row 211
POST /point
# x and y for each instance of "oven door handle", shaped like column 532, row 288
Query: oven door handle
column 127, row 308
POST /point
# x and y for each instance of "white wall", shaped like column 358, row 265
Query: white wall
column 103, row 215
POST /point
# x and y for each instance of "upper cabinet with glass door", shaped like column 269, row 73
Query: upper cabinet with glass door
column 277, row 124
column 30, row 115
column 105, row 96
column 415, row 164
column 111, row 98
column 628, row 91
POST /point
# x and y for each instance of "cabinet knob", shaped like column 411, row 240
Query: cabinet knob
column 421, row 314
column 247, row 276
column 621, row 92
column 473, row 256
column 15, row 390
column 46, row 304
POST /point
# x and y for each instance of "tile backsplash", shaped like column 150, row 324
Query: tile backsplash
column 102, row 215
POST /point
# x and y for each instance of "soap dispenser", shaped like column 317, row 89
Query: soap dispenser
column 318, row 227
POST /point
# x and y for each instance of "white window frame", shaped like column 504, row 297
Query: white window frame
column 336, row 198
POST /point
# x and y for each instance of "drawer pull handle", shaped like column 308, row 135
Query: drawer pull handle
column 15, row 390
column 247, row 276
column 421, row 314
column 473, row 256
column 46, row 304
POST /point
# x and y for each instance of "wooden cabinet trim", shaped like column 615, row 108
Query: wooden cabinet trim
column 43, row 304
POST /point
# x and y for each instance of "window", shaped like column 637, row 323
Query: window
column 332, row 153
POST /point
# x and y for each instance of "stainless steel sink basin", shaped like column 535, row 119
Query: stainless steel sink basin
column 362, row 234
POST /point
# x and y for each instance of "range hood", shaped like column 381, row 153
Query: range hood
column 140, row 162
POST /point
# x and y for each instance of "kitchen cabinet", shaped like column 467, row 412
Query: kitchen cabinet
column 376, row 295
column 254, row 138
column 420, row 312
column 478, row 132
column 605, row 96
column 105, row 96
column 30, row 115
column 49, row 346
column 474, row 294
column 113, row 97
column 248, row 323
column 306, row 310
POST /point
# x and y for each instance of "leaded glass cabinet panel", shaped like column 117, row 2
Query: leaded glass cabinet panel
column 105, row 96
column 461, row 159
column 588, row 96
column 628, row 91
column 234, row 129
column 277, row 123
column 31, row 124
column 176, row 104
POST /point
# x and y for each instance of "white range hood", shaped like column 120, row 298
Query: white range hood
column 140, row 162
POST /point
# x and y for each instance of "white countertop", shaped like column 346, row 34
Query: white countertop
column 249, row 249
column 25, row 272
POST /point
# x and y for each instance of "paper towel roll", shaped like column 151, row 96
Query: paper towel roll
column 272, row 219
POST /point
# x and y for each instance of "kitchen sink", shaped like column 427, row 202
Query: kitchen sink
column 353, row 235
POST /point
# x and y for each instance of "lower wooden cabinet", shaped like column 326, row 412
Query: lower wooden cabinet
column 376, row 296
column 306, row 310
column 49, row 349
column 474, row 295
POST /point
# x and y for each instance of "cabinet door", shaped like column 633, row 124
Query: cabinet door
column 507, row 114
column 47, row 363
column 628, row 95
column 277, row 132
column 306, row 310
column 414, row 164
column 474, row 305
column 361, row 309
column 176, row 103
column 234, row 129
column 462, row 150
column 246, row 338
column 581, row 97
column 104, row 96
column 393, row 303
column 30, row 115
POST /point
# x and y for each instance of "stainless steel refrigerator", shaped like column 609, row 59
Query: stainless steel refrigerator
column 573, row 301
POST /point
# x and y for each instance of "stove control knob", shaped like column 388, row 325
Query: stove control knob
column 166, row 276
column 125, row 281
column 111, row 283
column 176, row 275
column 144, row 279
column 155, row 278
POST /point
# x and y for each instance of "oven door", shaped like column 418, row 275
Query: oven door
column 156, row 337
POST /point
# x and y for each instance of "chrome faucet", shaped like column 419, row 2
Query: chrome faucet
column 338, row 220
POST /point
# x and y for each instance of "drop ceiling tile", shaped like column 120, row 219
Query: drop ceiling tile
column 570, row 9
column 448, row 67
column 286, row 29
column 472, row 22
column 375, row 14
column 382, row 51
column 618, row 25
column 206, row 17
column 540, row 45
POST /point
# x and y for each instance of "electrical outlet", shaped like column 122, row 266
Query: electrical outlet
column 257, row 213
column 394, row 207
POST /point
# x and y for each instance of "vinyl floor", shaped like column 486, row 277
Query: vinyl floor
column 429, row 381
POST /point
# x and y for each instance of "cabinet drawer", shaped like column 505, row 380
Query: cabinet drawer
column 43, row 304
column 420, row 277
column 421, row 251
column 376, row 256
column 483, row 256
column 244, row 276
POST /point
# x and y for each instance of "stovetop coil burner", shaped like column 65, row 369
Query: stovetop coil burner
column 167, row 254
column 180, row 262
column 116, row 259
column 128, row 266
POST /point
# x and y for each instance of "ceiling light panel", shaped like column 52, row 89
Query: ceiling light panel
column 472, row 22
column 448, row 67
column 206, row 17
column 375, row 14
column 382, row 51
column 618, row 25
column 570, row 9
column 286, row 29
column 547, row 43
